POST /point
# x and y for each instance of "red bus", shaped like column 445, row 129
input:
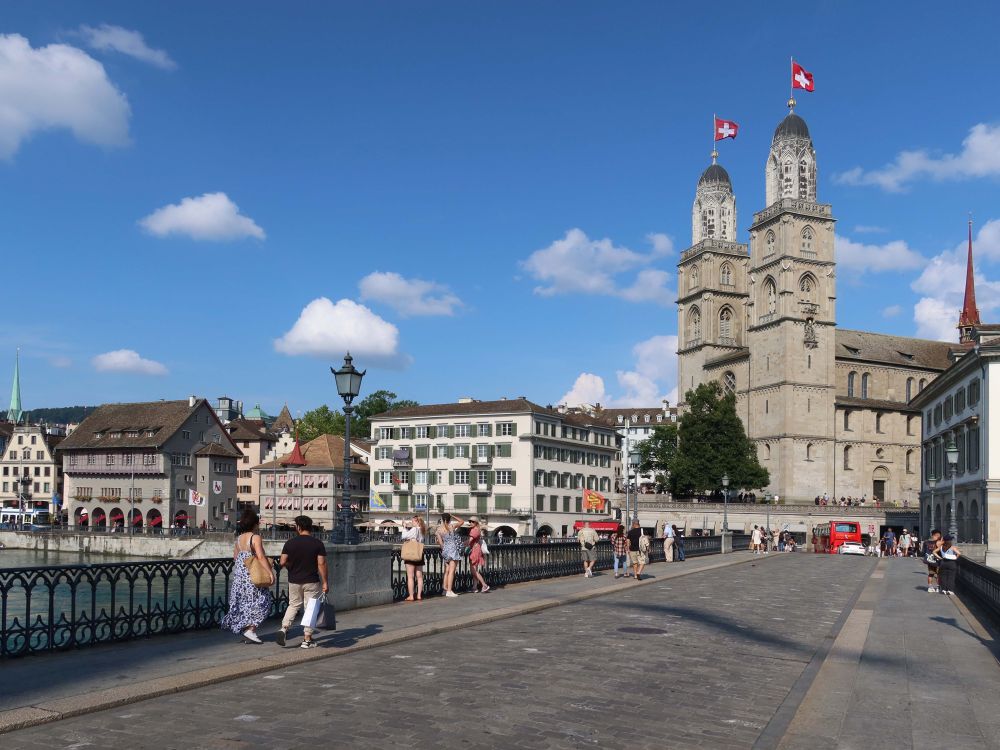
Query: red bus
column 827, row 537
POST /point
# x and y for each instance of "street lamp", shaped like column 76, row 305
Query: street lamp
column 634, row 459
column 725, row 503
column 348, row 386
column 932, row 483
column 951, row 451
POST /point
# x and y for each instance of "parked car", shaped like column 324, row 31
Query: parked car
column 852, row 548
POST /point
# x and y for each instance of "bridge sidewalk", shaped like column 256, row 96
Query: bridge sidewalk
column 46, row 687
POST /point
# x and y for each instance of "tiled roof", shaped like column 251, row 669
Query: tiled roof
column 610, row 416
column 871, row 403
column 163, row 417
column 218, row 449
column 324, row 452
column 250, row 429
column 284, row 421
column 487, row 408
column 864, row 346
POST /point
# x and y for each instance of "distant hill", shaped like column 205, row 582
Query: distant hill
column 60, row 414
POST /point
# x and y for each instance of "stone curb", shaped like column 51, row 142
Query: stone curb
column 63, row 708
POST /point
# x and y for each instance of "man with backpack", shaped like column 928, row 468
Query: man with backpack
column 638, row 549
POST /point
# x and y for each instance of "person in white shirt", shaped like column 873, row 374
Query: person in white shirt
column 668, row 542
column 755, row 540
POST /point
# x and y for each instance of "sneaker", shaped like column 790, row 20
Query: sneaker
column 487, row 588
column 251, row 636
column 307, row 644
column 450, row 593
column 280, row 637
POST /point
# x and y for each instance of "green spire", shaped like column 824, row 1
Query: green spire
column 14, row 413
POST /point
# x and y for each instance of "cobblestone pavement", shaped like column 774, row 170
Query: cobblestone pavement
column 704, row 660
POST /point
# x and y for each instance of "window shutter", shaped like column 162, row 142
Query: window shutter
column 493, row 478
column 451, row 477
column 451, row 451
column 451, row 431
column 473, row 481
column 513, row 428
column 432, row 432
column 513, row 476
column 489, row 430
column 421, row 451
column 468, row 451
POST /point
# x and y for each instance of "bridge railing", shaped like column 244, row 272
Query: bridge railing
column 982, row 584
column 762, row 508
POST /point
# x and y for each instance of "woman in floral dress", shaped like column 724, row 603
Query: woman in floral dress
column 451, row 548
column 249, row 605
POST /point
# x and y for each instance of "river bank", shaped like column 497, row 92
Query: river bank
column 121, row 546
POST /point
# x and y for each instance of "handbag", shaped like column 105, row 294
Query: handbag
column 412, row 551
column 319, row 614
column 482, row 546
column 260, row 576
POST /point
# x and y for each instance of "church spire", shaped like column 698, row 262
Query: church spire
column 14, row 414
column 969, row 318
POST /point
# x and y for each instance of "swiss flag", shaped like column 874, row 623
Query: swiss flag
column 725, row 129
column 802, row 78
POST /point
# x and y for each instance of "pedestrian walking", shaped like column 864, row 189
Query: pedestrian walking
column 948, row 554
column 476, row 557
column 931, row 546
column 679, row 543
column 588, row 539
column 451, row 549
column 304, row 556
column 638, row 549
column 619, row 550
column 905, row 540
column 755, row 537
column 414, row 530
column 249, row 605
column 890, row 542
column 668, row 543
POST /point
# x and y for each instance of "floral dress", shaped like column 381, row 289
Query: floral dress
column 451, row 546
column 249, row 605
column 476, row 557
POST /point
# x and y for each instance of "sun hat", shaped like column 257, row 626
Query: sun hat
column 474, row 519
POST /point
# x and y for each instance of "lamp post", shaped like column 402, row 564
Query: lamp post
column 634, row 459
column 348, row 386
column 932, row 483
column 951, row 451
column 725, row 503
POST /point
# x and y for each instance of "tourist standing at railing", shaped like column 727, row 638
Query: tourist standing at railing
column 588, row 539
column 755, row 540
column 477, row 559
column 414, row 531
column 619, row 550
column 931, row 560
column 249, row 605
column 668, row 543
column 305, row 557
column 678, row 543
column 948, row 554
column 451, row 549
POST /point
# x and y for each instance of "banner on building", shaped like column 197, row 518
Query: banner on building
column 375, row 501
column 217, row 487
column 195, row 498
column 593, row 500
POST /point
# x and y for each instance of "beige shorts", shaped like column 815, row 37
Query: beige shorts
column 588, row 555
column 638, row 558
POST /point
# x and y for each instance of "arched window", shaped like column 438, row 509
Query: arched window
column 909, row 462
column 769, row 244
column 803, row 179
column 693, row 281
column 809, row 451
column 852, row 379
column 766, row 453
column 878, row 421
column 787, row 177
column 729, row 382
column 807, row 287
column 866, row 380
column 708, row 222
column 726, row 275
column 726, row 323
column 922, row 384
column 694, row 325
column 807, row 240
column 847, row 419
column 847, row 457
column 770, row 296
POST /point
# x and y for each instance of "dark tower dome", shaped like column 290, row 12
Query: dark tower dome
column 715, row 173
column 792, row 126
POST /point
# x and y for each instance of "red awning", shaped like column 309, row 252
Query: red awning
column 156, row 521
column 117, row 515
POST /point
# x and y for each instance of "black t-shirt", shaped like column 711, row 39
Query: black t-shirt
column 302, row 552
column 633, row 539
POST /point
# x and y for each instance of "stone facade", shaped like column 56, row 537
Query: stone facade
column 826, row 407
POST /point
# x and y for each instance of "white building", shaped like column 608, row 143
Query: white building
column 521, row 467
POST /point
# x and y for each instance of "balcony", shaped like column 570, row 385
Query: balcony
column 401, row 487
column 402, row 458
column 484, row 490
column 482, row 460
column 767, row 318
column 727, row 341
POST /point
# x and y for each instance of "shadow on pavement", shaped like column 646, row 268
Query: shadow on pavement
column 345, row 638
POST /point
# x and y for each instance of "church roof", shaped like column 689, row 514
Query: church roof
column 792, row 126
column 865, row 346
column 715, row 173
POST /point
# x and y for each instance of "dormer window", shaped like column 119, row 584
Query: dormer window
column 98, row 435
column 620, row 419
column 150, row 433
column 853, row 351
column 116, row 434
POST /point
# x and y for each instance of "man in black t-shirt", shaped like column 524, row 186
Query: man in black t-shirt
column 305, row 558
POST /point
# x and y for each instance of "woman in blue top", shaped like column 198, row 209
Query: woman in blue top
column 451, row 548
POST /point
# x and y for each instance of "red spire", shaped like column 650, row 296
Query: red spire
column 296, row 459
column 970, row 313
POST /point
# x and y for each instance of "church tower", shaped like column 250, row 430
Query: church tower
column 791, row 319
column 711, row 284
column 968, row 320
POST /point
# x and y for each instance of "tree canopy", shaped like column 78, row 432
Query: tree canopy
column 708, row 441
column 326, row 421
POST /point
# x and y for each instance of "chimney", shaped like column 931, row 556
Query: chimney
column 465, row 399
column 192, row 400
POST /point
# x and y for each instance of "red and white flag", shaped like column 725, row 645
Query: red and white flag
column 802, row 78
column 725, row 129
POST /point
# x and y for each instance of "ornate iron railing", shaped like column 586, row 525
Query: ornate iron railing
column 50, row 608
column 982, row 584
column 516, row 563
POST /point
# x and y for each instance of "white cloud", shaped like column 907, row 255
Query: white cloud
column 979, row 157
column 327, row 329
column 61, row 361
column 211, row 216
column 57, row 87
column 408, row 297
column 891, row 311
column 652, row 379
column 869, row 229
column 577, row 264
column 942, row 286
column 108, row 38
column 892, row 256
column 127, row 360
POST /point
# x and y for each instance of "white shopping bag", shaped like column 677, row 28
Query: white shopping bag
column 311, row 611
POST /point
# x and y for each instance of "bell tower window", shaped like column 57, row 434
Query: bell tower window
column 694, row 326
column 726, row 275
column 726, row 323
column 729, row 382
column 708, row 222
column 769, row 244
column 807, row 241
column 693, row 284
column 787, row 178
column 770, row 296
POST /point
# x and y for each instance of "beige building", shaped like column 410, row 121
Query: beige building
column 255, row 442
column 826, row 407
column 31, row 470
column 521, row 467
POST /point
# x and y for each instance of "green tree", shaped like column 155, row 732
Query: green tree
column 657, row 453
column 326, row 421
column 712, row 442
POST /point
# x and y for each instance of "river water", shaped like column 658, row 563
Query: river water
column 19, row 558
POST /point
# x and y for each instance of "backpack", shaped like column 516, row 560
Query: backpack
column 644, row 544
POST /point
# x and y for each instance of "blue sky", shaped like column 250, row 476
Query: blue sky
column 479, row 199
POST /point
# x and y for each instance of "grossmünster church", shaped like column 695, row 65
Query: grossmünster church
column 826, row 407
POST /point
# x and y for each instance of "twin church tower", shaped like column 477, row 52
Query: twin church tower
column 761, row 321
